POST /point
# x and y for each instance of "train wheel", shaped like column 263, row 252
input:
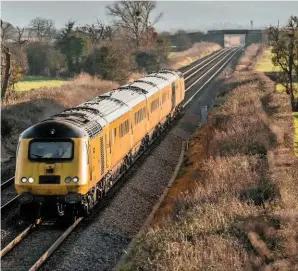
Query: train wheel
column 70, row 216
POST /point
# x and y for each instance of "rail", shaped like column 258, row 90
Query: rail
column 221, row 63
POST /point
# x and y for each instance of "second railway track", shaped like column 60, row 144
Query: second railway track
column 197, row 82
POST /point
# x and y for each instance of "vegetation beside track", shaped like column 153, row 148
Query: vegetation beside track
column 265, row 65
column 197, row 51
column 234, row 203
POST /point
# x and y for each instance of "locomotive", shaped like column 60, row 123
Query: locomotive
column 67, row 163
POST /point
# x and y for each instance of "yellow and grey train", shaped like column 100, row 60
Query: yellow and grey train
column 67, row 162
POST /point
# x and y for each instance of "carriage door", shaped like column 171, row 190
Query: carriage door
column 173, row 95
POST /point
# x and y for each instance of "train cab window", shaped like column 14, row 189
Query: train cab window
column 51, row 150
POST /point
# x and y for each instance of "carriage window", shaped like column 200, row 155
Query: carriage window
column 164, row 98
column 173, row 87
column 51, row 150
column 124, row 128
column 140, row 115
column 154, row 105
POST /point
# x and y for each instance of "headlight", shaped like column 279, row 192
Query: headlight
column 67, row 179
column 31, row 180
column 75, row 179
column 24, row 179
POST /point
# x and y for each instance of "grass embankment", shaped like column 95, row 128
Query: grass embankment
column 265, row 65
column 35, row 82
column 234, row 204
column 197, row 51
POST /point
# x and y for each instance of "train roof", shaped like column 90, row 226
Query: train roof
column 95, row 114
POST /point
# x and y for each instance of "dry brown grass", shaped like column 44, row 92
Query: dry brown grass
column 23, row 109
column 250, row 56
column 198, row 50
column 237, row 210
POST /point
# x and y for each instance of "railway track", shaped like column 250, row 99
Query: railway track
column 211, row 66
column 190, row 72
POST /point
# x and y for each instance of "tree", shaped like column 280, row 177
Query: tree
column 74, row 45
column 19, row 65
column 183, row 41
column 7, row 30
column 134, row 17
column 111, row 62
column 22, row 36
column 42, row 28
column 44, row 59
column 285, row 54
column 5, row 69
column 96, row 32
column 154, row 59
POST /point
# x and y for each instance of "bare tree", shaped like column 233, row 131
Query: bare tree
column 42, row 28
column 285, row 54
column 96, row 32
column 134, row 17
column 22, row 36
column 7, row 30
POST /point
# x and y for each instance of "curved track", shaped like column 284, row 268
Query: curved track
column 199, row 75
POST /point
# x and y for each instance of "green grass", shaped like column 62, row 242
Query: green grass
column 34, row 82
column 282, row 89
column 171, row 55
column 265, row 64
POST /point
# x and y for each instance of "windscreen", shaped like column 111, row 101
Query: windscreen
column 52, row 150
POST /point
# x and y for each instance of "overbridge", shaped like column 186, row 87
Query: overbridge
column 235, row 37
column 225, row 38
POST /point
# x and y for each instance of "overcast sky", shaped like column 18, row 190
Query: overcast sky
column 193, row 15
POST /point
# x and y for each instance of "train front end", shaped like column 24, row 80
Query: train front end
column 52, row 169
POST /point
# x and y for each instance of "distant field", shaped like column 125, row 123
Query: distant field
column 265, row 65
column 34, row 82
column 281, row 88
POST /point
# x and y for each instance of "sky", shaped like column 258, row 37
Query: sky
column 186, row 15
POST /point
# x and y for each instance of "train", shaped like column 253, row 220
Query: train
column 67, row 163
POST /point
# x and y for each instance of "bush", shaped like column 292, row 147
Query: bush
column 146, row 61
column 110, row 62
column 154, row 59
column 44, row 59
column 19, row 65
